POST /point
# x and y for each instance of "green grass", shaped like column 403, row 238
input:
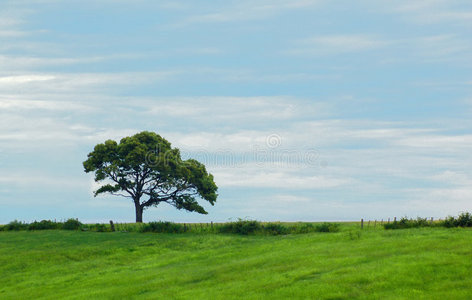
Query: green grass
column 422, row 263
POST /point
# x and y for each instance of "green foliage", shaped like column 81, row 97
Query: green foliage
column 463, row 220
column 163, row 227
column 327, row 227
column 303, row 228
column 449, row 222
column 246, row 227
column 15, row 225
column 145, row 168
column 275, row 229
column 405, row 223
column 72, row 224
column 243, row 227
column 44, row 225
column 97, row 227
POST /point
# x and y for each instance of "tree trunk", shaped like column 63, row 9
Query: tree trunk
column 139, row 213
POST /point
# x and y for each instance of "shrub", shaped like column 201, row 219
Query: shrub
column 15, row 225
column 44, row 225
column 464, row 220
column 449, row 222
column 72, row 224
column 327, row 227
column 243, row 227
column 163, row 227
column 275, row 229
column 405, row 223
column 303, row 228
column 98, row 227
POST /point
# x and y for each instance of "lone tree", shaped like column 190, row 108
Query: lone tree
column 145, row 168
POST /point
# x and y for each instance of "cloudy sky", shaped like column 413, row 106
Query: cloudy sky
column 303, row 110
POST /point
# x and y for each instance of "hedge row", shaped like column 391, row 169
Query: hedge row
column 71, row 224
column 242, row 227
column 463, row 220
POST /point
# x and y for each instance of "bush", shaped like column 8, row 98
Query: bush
column 327, row 227
column 72, row 224
column 449, row 222
column 464, row 220
column 405, row 223
column 15, row 225
column 243, row 227
column 303, row 228
column 275, row 229
column 163, row 227
column 98, row 227
column 44, row 225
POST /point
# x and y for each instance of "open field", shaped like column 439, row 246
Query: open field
column 424, row 263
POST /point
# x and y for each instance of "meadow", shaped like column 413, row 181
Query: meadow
column 373, row 263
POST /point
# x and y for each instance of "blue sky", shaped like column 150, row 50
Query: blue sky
column 303, row 110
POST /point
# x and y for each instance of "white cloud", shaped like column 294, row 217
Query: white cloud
column 32, row 178
column 248, row 10
column 433, row 11
column 19, row 79
column 335, row 44
column 28, row 105
column 287, row 198
column 275, row 179
column 424, row 49
column 12, row 33
column 443, row 143
column 78, row 82
column 13, row 63
column 453, row 178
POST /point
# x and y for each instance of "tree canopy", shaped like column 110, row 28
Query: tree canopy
column 145, row 168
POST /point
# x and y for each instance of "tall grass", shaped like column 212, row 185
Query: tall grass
column 414, row 263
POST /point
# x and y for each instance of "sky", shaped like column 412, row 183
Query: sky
column 303, row 110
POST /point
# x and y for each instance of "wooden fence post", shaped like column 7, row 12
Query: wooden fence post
column 395, row 219
column 362, row 223
column 431, row 222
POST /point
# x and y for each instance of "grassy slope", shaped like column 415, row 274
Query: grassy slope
column 432, row 263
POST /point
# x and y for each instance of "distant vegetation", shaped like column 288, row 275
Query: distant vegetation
column 241, row 227
column 71, row 224
column 463, row 220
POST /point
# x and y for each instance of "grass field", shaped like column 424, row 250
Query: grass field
column 424, row 263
